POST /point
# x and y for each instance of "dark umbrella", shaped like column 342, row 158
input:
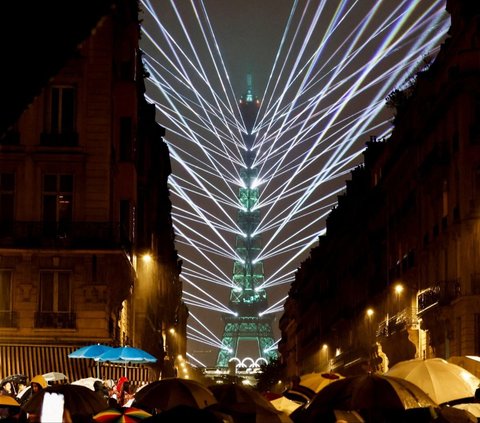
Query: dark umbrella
column 185, row 413
column 121, row 415
column 246, row 404
column 171, row 392
column 375, row 397
column 78, row 400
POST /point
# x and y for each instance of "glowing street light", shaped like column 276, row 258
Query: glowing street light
column 147, row 258
column 327, row 358
column 369, row 314
column 398, row 288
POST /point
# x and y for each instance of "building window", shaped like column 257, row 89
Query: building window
column 57, row 202
column 55, row 304
column 62, row 110
column 55, row 291
column 61, row 125
column 7, row 196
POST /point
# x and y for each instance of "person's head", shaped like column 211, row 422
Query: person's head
column 120, row 383
column 8, row 387
column 38, row 383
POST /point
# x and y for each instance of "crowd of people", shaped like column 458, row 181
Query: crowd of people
column 115, row 394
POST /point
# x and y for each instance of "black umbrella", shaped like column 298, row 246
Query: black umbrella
column 171, row 392
column 246, row 404
column 185, row 413
column 79, row 400
column 375, row 397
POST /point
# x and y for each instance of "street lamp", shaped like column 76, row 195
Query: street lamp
column 369, row 314
column 327, row 358
column 398, row 289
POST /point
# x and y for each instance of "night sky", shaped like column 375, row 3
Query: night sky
column 249, row 34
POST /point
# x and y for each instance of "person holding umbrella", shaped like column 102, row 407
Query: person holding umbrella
column 36, row 385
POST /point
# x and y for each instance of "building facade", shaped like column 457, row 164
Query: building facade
column 396, row 275
column 83, row 202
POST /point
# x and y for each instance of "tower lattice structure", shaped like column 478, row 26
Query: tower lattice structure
column 247, row 299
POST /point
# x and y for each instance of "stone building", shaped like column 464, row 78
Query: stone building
column 84, row 199
column 397, row 272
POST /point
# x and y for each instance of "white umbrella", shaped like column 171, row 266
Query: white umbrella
column 317, row 381
column 88, row 382
column 55, row 377
column 441, row 380
column 286, row 405
column 472, row 407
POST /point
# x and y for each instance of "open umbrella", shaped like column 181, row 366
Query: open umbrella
column 441, row 380
column 7, row 400
column 286, row 405
column 170, row 392
column 185, row 413
column 375, row 397
column 88, row 382
column 8, row 407
column 91, row 352
column 317, row 381
column 299, row 393
column 121, row 415
column 14, row 381
column 243, row 403
column 79, row 400
column 54, row 377
column 125, row 355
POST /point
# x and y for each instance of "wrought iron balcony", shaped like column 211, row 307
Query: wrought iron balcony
column 55, row 320
column 98, row 235
column 443, row 293
column 396, row 323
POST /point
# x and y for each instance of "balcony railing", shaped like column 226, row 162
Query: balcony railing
column 96, row 235
column 8, row 319
column 55, row 320
column 443, row 293
column 396, row 323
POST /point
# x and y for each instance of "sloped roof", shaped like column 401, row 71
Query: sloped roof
column 36, row 40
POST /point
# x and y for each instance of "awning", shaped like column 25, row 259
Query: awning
column 32, row 360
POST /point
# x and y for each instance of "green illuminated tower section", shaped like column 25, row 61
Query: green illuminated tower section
column 247, row 300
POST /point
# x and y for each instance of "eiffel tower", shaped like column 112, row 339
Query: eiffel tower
column 247, row 300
